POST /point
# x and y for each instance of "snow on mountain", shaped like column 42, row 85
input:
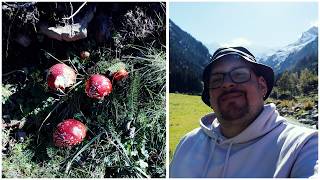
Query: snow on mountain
column 306, row 38
column 287, row 57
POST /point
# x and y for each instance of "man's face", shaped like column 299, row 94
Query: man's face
column 236, row 101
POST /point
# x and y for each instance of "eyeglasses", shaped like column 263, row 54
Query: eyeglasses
column 237, row 75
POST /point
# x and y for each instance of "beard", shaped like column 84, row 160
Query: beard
column 233, row 110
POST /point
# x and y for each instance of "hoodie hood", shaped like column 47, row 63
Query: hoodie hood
column 267, row 120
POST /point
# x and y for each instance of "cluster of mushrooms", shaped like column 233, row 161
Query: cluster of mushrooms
column 71, row 132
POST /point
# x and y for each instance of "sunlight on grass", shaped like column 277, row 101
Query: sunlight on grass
column 185, row 112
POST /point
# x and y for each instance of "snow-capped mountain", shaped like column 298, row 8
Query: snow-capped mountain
column 290, row 57
column 307, row 36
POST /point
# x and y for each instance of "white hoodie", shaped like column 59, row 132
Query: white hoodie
column 269, row 147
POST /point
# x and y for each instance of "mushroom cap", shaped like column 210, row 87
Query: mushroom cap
column 121, row 74
column 61, row 76
column 84, row 54
column 98, row 86
column 69, row 133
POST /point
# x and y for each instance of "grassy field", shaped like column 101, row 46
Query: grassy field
column 185, row 112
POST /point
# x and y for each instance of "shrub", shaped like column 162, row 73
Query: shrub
column 308, row 105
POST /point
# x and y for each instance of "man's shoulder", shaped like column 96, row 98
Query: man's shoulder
column 298, row 129
column 294, row 132
column 192, row 142
column 195, row 134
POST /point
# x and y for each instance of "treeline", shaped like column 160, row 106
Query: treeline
column 290, row 84
column 187, row 60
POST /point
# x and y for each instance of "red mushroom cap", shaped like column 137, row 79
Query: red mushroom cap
column 98, row 86
column 61, row 76
column 69, row 133
column 121, row 74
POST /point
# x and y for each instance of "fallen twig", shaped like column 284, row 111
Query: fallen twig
column 75, row 12
column 52, row 56
column 59, row 103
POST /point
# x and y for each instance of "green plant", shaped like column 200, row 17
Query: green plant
column 154, row 66
column 6, row 91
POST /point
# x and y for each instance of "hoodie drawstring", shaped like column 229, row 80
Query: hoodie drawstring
column 225, row 167
column 205, row 172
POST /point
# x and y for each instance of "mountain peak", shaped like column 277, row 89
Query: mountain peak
column 313, row 30
column 294, row 55
column 309, row 35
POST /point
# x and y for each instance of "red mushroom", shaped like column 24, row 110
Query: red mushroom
column 61, row 76
column 98, row 86
column 69, row 132
column 121, row 74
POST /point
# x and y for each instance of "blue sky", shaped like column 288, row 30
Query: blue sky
column 251, row 24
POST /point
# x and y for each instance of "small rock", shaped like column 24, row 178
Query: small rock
column 20, row 136
column 307, row 121
column 304, row 115
column 315, row 111
column 314, row 117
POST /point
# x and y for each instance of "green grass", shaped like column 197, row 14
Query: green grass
column 184, row 114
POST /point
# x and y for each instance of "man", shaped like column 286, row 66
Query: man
column 243, row 137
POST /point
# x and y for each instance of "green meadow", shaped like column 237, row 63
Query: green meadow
column 185, row 112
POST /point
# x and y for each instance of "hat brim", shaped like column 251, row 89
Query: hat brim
column 262, row 70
